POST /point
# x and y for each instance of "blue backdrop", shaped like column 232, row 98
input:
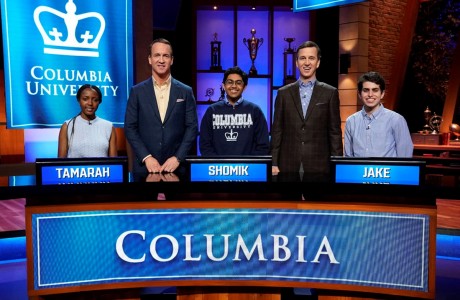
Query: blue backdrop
column 52, row 47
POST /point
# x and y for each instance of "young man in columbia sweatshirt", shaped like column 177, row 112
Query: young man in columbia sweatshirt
column 234, row 125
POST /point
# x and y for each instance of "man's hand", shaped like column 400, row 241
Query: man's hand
column 170, row 165
column 152, row 165
column 275, row 170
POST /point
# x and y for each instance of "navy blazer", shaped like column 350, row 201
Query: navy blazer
column 310, row 139
column 145, row 131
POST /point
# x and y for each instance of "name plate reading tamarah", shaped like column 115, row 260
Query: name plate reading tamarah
column 229, row 169
column 393, row 171
column 60, row 171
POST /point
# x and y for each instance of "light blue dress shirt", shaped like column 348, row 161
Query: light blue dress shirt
column 306, row 90
column 382, row 134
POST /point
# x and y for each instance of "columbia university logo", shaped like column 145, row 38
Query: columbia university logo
column 59, row 30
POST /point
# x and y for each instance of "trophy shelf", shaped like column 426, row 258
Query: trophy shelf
column 262, row 42
column 223, row 71
column 211, row 71
column 426, row 138
column 451, row 152
column 452, row 148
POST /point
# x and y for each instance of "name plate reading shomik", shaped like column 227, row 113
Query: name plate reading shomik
column 81, row 171
column 230, row 169
column 378, row 171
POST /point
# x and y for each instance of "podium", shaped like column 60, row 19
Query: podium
column 344, row 242
column 64, row 239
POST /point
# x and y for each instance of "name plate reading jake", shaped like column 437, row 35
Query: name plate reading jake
column 81, row 171
column 378, row 171
column 230, row 169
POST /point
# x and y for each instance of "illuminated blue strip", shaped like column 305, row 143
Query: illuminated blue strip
column 448, row 246
column 377, row 174
column 22, row 180
column 301, row 5
column 12, row 249
column 238, row 172
column 82, row 174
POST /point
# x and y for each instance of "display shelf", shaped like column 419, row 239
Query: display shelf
column 210, row 71
column 233, row 24
column 437, row 150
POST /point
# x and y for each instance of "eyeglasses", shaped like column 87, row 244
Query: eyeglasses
column 231, row 82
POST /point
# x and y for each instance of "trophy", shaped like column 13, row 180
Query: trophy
column 253, row 44
column 427, row 115
column 209, row 94
column 222, row 94
column 455, row 130
column 215, row 54
column 289, row 63
column 435, row 123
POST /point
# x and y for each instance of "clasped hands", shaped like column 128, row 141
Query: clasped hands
column 170, row 165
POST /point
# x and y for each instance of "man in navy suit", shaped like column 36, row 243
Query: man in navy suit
column 161, row 123
column 306, row 128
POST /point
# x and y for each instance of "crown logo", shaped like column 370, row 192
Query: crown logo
column 63, row 40
column 231, row 136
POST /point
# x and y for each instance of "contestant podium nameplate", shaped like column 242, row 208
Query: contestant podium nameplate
column 392, row 171
column 230, row 169
column 81, row 170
